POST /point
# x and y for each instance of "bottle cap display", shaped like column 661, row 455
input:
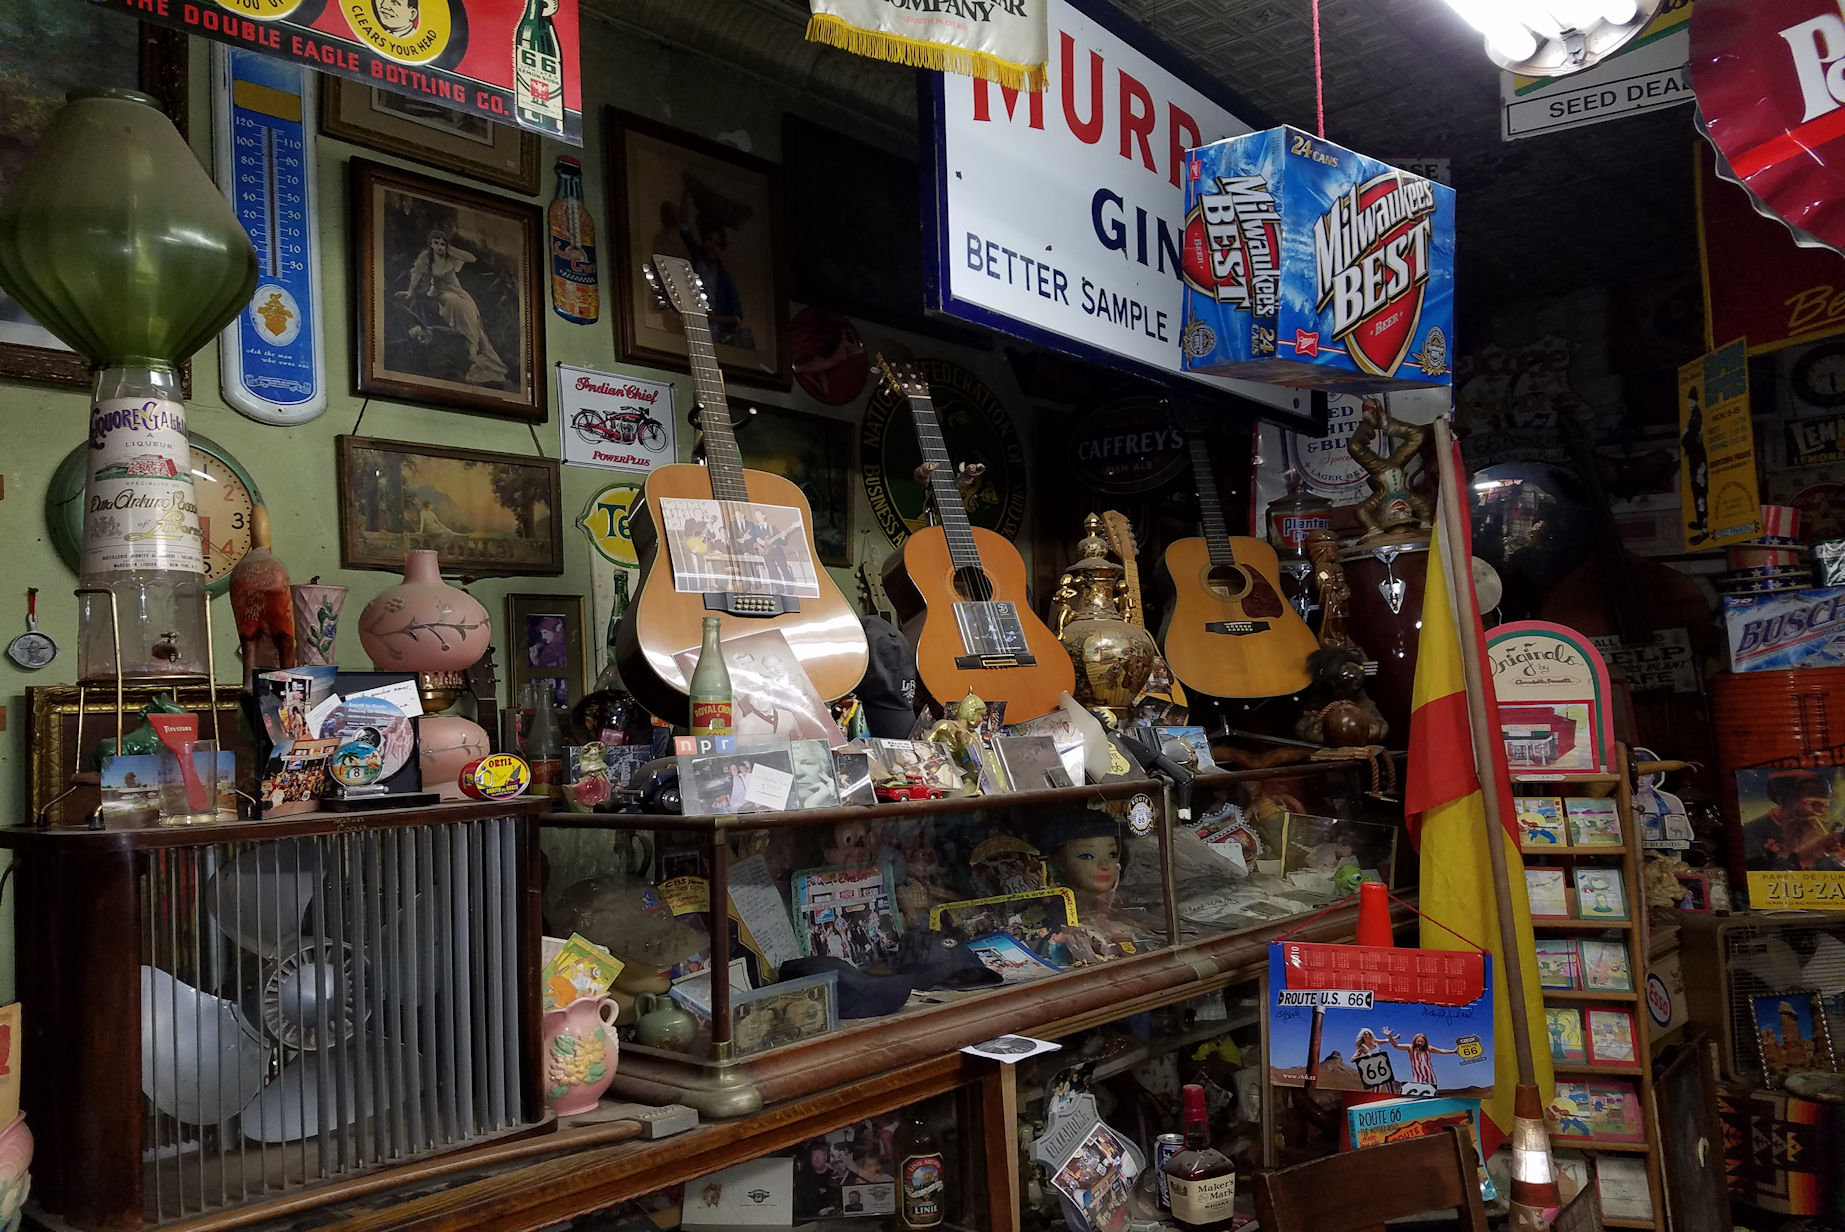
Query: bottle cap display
column 498, row 776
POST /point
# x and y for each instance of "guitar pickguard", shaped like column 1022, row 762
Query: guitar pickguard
column 1261, row 603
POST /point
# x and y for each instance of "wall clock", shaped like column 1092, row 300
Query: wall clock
column 227, row 498
column 1818, row 377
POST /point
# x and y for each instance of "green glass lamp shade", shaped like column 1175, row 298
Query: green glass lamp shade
column 116, row 240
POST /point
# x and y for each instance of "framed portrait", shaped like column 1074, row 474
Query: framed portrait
column 449, row 299
column 47, row 48
column 814, row 453
column 721, row 209
column 483, row 514
column 544, row 636
column 430, row 133
column 1791, row 1033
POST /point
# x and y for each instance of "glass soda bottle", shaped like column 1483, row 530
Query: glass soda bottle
column 710, row 687
column 574, row 294
column 538, row 69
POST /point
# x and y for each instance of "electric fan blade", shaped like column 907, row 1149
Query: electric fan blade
column 200, row 1062
column 261, row 896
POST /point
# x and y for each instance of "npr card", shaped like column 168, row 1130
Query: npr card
column 1307, row 264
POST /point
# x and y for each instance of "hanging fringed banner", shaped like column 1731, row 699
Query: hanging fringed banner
column 1004, row 41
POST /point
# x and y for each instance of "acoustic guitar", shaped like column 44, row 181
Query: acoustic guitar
column 979, row 634
column 824, row 633
column 1230, row 633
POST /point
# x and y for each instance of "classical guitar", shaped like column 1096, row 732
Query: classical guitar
column 1230, row 633
column 979, row 634
column 824, row 632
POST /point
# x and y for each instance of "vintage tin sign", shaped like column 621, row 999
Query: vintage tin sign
column 1307, row 264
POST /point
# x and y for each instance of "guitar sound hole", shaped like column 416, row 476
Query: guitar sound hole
column 973, row 584
column 1227, row 582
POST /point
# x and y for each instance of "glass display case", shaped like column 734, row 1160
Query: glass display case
column 858, row 938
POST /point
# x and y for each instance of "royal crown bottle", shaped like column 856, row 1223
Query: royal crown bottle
column 1200, row 1181
column 574, row 295
column 116, row 241
column 538, row 69
column 710, row 687
column 543, row 753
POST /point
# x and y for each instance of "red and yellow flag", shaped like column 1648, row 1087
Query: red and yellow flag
column 1447, row 823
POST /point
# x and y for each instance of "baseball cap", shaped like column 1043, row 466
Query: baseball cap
column 888, row 691
column 934, row 960
column 860, row 995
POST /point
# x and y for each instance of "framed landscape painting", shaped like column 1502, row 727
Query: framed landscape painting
column 47, row 48
column 483, row 514
column 450, row 301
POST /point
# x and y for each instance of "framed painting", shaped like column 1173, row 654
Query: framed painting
column 544, row 644
column 815, row 454
column 721, row 209
column 430, row 133
column 449, row 299
column 47, row 48
column 483, row 514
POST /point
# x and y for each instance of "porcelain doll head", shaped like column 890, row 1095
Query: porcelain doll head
column 1086, row 852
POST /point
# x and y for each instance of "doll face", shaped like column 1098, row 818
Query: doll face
column 1091, row 865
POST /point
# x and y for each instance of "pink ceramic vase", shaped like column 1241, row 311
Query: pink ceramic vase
column 423, row 624
column 580, row 1054
column 15, row 1156
column 445, row 744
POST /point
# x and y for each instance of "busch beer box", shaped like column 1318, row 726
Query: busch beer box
column 1307, row 264
column 1786, row 629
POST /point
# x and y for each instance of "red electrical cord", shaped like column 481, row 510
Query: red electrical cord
column 1319, row 77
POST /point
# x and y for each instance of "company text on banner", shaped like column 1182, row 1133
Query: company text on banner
column 508, row 61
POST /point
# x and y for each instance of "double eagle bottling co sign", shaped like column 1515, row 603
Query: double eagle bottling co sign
column 509, row 61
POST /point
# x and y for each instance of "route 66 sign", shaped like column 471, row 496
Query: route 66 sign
column 605, row 520
column 1374, row 1071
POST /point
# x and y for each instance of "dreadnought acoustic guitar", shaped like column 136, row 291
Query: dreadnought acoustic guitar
column 823, row 632
column 978, row 634
column 1231, row 634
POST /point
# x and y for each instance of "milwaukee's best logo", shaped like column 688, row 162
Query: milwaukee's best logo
column 1371, row 266
column 1233, row 245
column 1818, row 46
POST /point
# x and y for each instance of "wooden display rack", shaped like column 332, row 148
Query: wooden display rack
column 1628, row 860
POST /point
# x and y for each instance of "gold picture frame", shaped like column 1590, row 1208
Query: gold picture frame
column 429, row 133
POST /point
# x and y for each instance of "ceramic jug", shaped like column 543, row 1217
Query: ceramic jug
column 580, row 1054
column 663, row 1024
column 423, row 624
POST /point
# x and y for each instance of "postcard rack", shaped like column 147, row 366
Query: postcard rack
column 1594, row 878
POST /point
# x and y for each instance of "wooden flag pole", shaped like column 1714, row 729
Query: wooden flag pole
column 1485, row 734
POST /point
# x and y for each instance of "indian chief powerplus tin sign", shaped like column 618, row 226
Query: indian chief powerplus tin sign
column 1307, row 264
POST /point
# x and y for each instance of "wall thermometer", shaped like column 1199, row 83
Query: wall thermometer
column 271, row 357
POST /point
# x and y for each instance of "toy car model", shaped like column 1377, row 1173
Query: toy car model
column 915, row 787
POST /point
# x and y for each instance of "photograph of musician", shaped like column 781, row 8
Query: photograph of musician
column 1800, row 829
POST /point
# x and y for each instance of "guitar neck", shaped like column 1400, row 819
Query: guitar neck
column 1216, row 531
column 722, row 457
column 942, row 487
column 1121, row 538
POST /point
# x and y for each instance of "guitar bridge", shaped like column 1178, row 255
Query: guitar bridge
column 1236, row 628
column 972, row 663
column 750, row 605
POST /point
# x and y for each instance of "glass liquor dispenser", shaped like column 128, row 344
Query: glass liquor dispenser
column 116, row 240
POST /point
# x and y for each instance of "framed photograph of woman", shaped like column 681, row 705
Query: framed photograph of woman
column 449, row 295
column 682, row 196
column 545, row 643
column 429, row 132
column 47, row 48
column 482, row 514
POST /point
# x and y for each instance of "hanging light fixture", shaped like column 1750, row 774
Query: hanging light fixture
column 1551, row 38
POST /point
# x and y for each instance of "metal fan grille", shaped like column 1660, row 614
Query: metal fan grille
column 414, row 1033
column 1770, row 960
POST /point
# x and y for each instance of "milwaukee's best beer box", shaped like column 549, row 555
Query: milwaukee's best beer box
column 1307, row 264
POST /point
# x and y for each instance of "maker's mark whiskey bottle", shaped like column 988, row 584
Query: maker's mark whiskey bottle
column 1200, row 1180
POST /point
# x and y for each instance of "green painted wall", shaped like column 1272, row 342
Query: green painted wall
column 294, row 467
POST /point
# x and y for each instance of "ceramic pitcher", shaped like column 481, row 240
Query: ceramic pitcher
column 580, row 1054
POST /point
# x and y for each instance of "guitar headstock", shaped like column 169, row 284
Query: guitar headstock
column 676, row 285
column 903, row 377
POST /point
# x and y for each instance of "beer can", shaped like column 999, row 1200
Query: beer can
column 1164, row 1148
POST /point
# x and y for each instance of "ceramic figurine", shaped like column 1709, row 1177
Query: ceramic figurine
column 1336, row 710
column 1335, row 593
column 317, row 619
column 580, row 1053
column 261, row 604
column 960, row 731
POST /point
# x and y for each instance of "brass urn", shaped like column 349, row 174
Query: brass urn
column 1113, row 657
